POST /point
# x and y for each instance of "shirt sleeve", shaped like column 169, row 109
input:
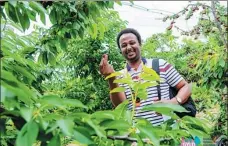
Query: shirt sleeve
column 172, row 76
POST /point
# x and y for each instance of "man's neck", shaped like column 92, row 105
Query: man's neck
column 135, row 64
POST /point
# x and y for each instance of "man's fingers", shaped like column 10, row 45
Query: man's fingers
column 105, row 59
column 105, row 56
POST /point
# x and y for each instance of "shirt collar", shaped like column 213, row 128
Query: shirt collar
column 143, row 60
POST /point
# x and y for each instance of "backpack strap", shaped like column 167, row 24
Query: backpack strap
column 155, row 67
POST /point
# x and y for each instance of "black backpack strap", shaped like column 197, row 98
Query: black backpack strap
column 155, row 66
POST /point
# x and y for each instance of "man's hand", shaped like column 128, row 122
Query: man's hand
column 105, row 68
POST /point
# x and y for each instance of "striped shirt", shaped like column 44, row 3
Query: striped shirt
column 168, row 74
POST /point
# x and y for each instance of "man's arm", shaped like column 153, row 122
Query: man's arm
column 106, row 69
column 117, row 97
column 184, row 92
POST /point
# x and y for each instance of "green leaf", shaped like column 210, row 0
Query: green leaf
column 82, row 137
column 37, row 7
column 113, row 75
column 104, row 115
column 118, row 89
column 222, row 62
column 66, row 125
column 139, row 140
column 151, row 72
column 51, row 100
column 81, row 31
column 53, row 16
column 99, row 131
column 94, row 35
column 117, row 124
column 148, row 77
column 52, row 116
column 51, row 58
column 166, row 106
column 142, row 94
column 80, row 14
column 31, row 15
column 43, row 123
column 124, row 81
column 74, row 103
column 5, row 93
column 200, row 122
column 40, row 57
column 150, row 133
column 166, row 109
column 2, row 14
column 24, row 72
column 79, row 116
column 28, row 134
column 76, row 26
column 11, row 12
column 23, row 18
column 26, row 113
column 74, row 33
column 122, row 112
column 147, row 84
column 55, row 141
column 13, row 3
column 45, row 57
column 42, row 18
column 21, row 90
column 102, row 30
column 63, row 43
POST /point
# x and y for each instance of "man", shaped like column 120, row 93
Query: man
column 129, row 43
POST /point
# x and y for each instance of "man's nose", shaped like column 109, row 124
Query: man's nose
column 128, row 47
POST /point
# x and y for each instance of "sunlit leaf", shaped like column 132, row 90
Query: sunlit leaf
column 118, row 89
column 151, row 72
column 113, row 75
column 124, row 81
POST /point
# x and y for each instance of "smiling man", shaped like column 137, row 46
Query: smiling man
column 129, row 43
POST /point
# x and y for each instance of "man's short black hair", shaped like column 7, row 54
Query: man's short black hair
column 128, row 30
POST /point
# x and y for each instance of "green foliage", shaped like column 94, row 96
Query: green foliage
column 52, row 93
column 202, row 62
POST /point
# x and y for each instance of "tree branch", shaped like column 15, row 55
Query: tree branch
column 126, row 138
column 218, row 25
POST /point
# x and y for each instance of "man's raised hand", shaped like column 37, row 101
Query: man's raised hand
column 105, row 68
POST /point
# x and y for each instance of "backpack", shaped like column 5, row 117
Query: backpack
column 189, row 105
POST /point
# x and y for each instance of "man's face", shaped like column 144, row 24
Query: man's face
column 130, row 47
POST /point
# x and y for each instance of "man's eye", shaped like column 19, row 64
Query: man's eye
column 122, row 46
